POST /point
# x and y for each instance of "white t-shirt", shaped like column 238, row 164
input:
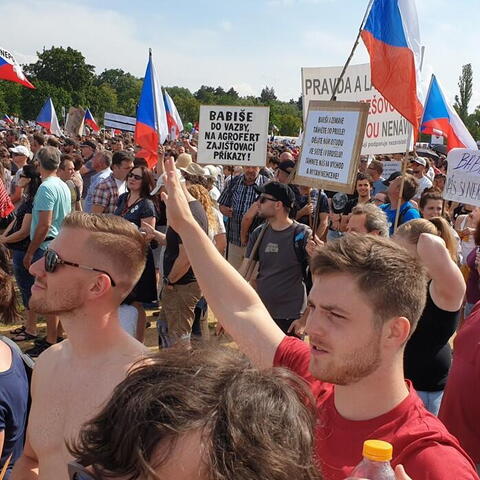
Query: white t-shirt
column 122, row 186
column 128, row 316
column 423, row 183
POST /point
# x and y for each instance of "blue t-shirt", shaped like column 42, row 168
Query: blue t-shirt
column 407, row 212
column 13, row 409
column 52, row 195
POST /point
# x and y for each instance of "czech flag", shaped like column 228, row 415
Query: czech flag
column 151, row 127
column 392, row 37
column 47, row 118
column 10, row 70
column 90, row 121
column 175, row 125
column 7, row 120
column 439, row 118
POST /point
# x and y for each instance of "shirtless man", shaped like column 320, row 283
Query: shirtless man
column 88, row 270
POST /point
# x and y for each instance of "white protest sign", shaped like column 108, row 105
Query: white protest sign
column 463, row 176
column 233, row 135
column 386, row 132
column 331, row 145
column 391, row 167
column 437, row 140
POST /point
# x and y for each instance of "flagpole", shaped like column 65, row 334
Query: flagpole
column 355, row 45
column 157, row 125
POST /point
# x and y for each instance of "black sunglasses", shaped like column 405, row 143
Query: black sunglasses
column 263, row 199
column 136, row 177
column 76, row 471
column 52, row 260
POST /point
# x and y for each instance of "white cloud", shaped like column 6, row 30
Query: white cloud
column 226, row 25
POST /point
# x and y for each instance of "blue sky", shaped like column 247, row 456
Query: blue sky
column 247, row 44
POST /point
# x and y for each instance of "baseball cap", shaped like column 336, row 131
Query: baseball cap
column 286, row 166
column 420, row 161
column 281, row 192
column 391, row 178
column 89, row 143
column 161, row 181
column 20, row 150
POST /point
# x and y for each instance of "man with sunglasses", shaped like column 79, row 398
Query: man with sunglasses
column 84, row 276
column 281, row 255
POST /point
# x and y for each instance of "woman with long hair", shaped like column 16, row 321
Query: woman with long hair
column 137, row 206
column 17, row 238
column 473, row 278
column 428, row 355
column 8, row 300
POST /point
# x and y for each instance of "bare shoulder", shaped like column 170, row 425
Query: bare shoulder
column 51, row 357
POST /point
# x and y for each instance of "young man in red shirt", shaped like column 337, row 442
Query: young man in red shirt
column 367, row 296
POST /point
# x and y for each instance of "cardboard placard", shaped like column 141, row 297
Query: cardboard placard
column 391, row 167
column 463, row 177
column 235, row 136
column 387, row 131
column 331, row 146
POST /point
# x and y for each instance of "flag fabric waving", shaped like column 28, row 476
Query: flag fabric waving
column 10, row 70
column 392, row 38
column 151, row 127
column 439, row 118
column 175, row 125
column 7, row 120
column 90, row 121
column 47, row 118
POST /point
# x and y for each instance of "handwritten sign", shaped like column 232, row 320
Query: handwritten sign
column 331, row 145
column 391, row 167
column 463, row 176
column 233, row 135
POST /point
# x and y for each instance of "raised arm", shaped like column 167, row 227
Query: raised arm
column 235, row 304
column 448, row 286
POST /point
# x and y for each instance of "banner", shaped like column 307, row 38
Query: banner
column 331, row 145
column 463, row 177
column 74, row 122
column 233, row 135
column 391, row 167
column 386, row 132
column 119, row 122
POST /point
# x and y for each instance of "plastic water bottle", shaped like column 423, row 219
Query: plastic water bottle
column 376, row 462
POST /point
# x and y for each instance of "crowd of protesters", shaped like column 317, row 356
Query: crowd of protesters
column 333, row 300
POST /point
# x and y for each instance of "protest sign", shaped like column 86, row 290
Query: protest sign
column 74, row 122
column 391, row 167
column 463, row 177
column 386, row 132
column 119, row 122
column 331, row 145
column 436, row 140
column 233, row 135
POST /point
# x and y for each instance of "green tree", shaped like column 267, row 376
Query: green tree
column 62, row 67
column 10, row 98
column 33, row 100
column 267, row 95
column 205, row 95
column 100, row 100
column 465, row 83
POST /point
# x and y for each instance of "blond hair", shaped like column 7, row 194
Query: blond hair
column 435, row 226
column 115, row 239
column 386, row 274
column 202, row 195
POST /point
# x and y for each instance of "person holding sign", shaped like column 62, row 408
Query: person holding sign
column 237, row 197
column 367, row 297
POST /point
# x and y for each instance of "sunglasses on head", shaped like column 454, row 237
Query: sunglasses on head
column 52, row 260
column 136, row 177
column 76, row 471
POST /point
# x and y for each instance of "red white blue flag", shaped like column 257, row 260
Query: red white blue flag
column 10, row 70
column 90, row 121
column 392, row 37
column 47, row 118
column 151, row 127
column 175, row 125
column 439, row 118
column 7, row 120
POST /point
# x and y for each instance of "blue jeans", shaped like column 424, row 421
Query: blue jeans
column 431, row 400
column 22, row 276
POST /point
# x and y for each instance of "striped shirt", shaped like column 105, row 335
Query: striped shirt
column 239, row 197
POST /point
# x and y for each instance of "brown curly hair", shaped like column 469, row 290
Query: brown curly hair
column 202, row 195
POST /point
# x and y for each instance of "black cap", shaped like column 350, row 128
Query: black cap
column 391, row 178
column 89, row 143
column 70, row 141
column 286, row 166
column 281, row 192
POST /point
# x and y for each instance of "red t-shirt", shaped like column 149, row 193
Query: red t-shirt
column 460, row 410
column 420, row 441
